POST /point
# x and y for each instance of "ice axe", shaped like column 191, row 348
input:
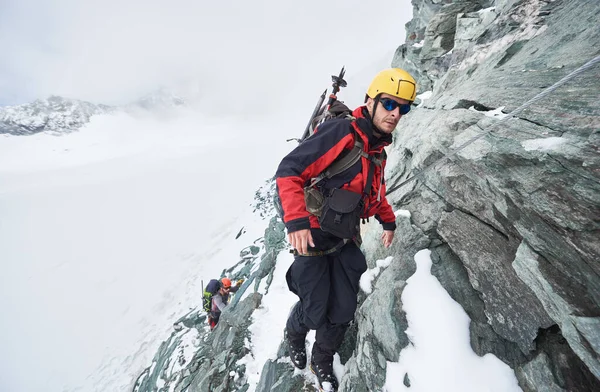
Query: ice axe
column 338, row 82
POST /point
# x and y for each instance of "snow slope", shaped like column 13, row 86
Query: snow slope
column 106, row 234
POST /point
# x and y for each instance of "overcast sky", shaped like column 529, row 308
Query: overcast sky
column 113, row 51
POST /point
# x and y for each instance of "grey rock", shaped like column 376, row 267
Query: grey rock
column 277, row 376
column 217, row 358
column 380, row 320
column 470, row 27
column 513, row 311
column 406, row 380
column 582, row 333
column 536, row 375
column 439, row 34
column 453, row 276
column 503, row 190
column 352, row 380
column 555, row 366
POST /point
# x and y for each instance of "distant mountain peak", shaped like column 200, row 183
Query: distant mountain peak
column 60, row 114
column 161, row 99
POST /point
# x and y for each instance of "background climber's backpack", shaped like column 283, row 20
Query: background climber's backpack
column 211, row 289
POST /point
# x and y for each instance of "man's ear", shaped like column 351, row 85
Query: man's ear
column 370, row 103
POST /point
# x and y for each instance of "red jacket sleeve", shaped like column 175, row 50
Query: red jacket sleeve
column 307, row 161
column 384, row 212
column 385, row 215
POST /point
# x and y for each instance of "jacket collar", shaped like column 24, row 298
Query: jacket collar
column 365, row 124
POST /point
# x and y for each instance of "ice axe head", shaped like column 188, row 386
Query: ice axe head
column 338, row 81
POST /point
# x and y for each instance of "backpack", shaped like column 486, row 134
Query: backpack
column 337, row 110
column 314, row 200
column 333, row 109
column 211, row 289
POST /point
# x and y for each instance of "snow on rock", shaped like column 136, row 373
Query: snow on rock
column 369, row 276
column 405, row 213
column 543, row 144
column 431, row 361
column 494, row 113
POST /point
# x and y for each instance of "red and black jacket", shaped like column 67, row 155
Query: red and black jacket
column 317, row 153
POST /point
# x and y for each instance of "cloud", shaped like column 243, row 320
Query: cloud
column 239, row 53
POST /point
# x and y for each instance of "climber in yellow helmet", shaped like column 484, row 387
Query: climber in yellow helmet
column 328, row 264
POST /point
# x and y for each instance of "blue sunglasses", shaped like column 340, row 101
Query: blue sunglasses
column 389, row 105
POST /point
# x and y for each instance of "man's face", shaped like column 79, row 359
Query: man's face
column 225, row 290
column 385, row 120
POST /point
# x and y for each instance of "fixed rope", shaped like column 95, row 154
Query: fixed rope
column 516, row 111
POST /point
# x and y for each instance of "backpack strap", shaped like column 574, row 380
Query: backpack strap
column 369, row 182
column 346, row 161
column 342, row 163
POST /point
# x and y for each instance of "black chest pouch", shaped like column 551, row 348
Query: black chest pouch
column 341, row 212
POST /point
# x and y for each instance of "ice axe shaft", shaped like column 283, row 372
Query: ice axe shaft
column 314, row 114
column 337, row 82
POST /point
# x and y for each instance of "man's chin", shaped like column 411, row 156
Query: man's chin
column 388, row 128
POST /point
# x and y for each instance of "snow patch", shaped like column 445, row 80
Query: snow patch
column 486, row 10
column 405, row 213
column 424, row 96
column 543, row 144
column 494, row 113
column 369, row 275
column 441, row 362
column 118, row 215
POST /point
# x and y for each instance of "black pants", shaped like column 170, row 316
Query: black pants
column 327, row 287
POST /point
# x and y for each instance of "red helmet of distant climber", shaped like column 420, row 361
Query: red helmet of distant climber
column 225, row 283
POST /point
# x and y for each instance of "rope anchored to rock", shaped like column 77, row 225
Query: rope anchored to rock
column 518, row 110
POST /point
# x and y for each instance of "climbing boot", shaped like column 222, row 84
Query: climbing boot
column 324, row 372
column 296, row 349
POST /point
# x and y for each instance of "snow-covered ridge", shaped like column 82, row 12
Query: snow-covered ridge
column 55, row 113
column 59, row 114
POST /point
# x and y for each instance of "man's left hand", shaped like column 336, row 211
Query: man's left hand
column 387, row 237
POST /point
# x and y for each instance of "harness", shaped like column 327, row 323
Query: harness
column 339, row 246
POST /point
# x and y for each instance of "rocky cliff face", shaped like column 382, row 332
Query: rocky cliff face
column 514, row 217
column 512, row 220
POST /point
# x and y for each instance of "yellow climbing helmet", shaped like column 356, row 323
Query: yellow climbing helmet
column 393, row 81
